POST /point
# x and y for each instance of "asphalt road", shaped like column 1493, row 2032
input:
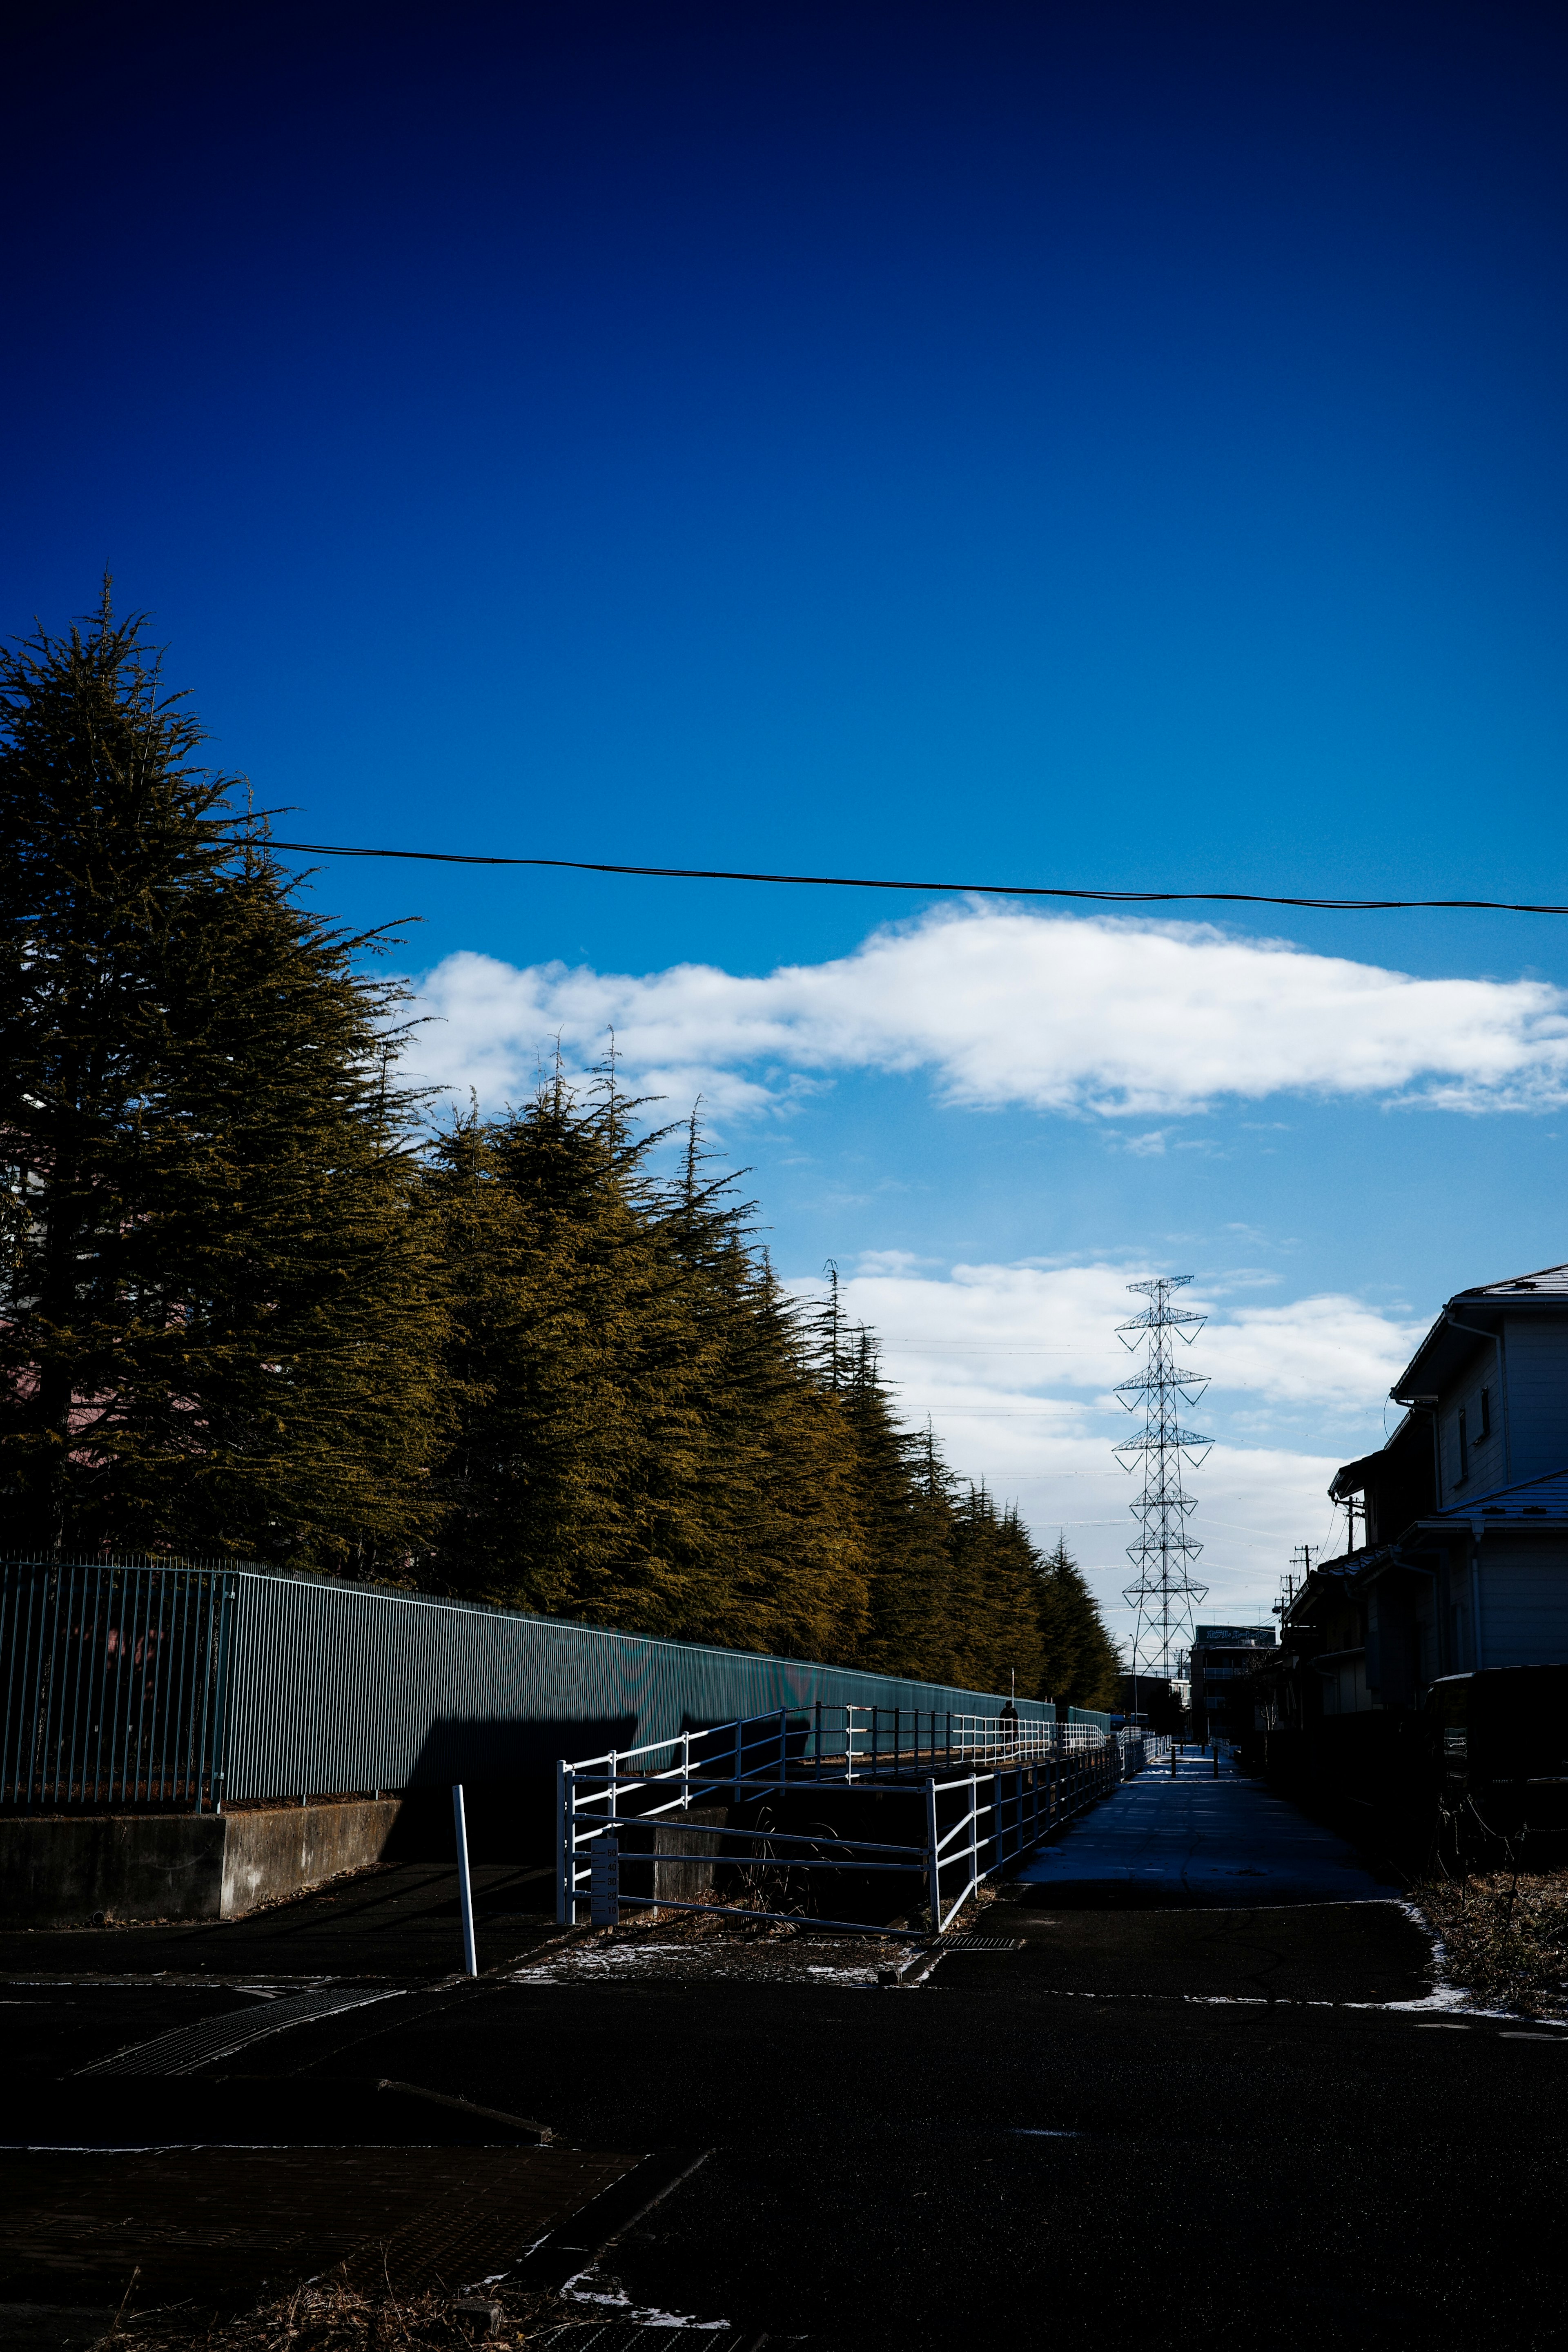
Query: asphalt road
column 1201, row 2126
column 1199, row 1836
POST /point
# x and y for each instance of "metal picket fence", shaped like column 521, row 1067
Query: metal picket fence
column 189, row 1685
column 114, row 1685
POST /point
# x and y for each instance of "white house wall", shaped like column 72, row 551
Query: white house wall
column 1344, row 1689
column 1525, row 1606
column 1489, row 1458
column 1537, row 1353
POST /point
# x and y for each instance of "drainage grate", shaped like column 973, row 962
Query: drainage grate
column 982, row 1943
column 190, row 2046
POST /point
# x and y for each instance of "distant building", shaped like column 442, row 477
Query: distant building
column 1458, row 1557
column 1154, row 1701
column 1225, row 1659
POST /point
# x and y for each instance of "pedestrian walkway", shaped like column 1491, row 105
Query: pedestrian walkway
column 1196, row 1839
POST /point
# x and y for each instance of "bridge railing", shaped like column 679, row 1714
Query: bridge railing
column 1023, row 1780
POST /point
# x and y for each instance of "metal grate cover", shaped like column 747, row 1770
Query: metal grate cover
column 982, row 1943
column 190, row 2046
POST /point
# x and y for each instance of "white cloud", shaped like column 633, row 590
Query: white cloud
column 1016, row 1365
column 1061, row 1013
column 1328, row 1350
column 1017, row 1327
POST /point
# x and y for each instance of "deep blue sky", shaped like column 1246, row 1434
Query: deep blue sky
column 1092, row 443
column 1105, row 443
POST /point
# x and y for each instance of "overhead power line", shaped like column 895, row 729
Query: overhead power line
column 967, row 889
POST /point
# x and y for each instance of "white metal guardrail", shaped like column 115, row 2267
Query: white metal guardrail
column 1022, row 1780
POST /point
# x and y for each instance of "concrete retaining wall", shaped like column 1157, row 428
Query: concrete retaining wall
column 686, row 1881
column 57, row 1872
column 282, row 1848
column 60, row 1871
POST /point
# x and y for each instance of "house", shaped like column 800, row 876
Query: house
column 1465, row 1510
column 1459, row 1552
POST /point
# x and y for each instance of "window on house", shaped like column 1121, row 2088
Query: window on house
column 1485, row 1416
column 1464, row 1449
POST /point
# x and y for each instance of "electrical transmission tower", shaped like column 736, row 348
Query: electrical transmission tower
column 1164, row 1593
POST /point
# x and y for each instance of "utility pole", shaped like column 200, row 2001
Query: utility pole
column 1292, row 1584
column 1164, row 1593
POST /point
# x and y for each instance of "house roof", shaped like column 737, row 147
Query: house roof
column 1532, row 1499
column 1342, row 1571
column 1350, row 1478
column 1354, row 1477
column 1552, row 1279
column 1447, row 1343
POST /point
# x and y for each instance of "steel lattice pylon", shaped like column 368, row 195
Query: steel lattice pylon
column 1165, row 1591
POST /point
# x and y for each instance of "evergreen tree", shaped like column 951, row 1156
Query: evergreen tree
column 909, row 1517
column 781, row 1479
column 572, row 1366
column 248, row 1312
column 1080, row 1666
column 997, row 1598
column 642, row 1441
column 222, row 1313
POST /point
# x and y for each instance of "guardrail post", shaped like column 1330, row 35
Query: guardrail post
column 973, row 1832
column 934, row 1860
column 566, row 1909
column 465, row 1884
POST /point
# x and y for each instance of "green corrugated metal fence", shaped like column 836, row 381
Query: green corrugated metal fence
column 184, row 1684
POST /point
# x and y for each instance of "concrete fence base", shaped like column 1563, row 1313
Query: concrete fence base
column 59, row 1871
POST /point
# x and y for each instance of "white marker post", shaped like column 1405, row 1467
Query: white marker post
column 465, row 1884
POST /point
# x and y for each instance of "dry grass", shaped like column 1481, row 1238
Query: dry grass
column 1506, row 1935
column 329, row 2315
column 706, row 1927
